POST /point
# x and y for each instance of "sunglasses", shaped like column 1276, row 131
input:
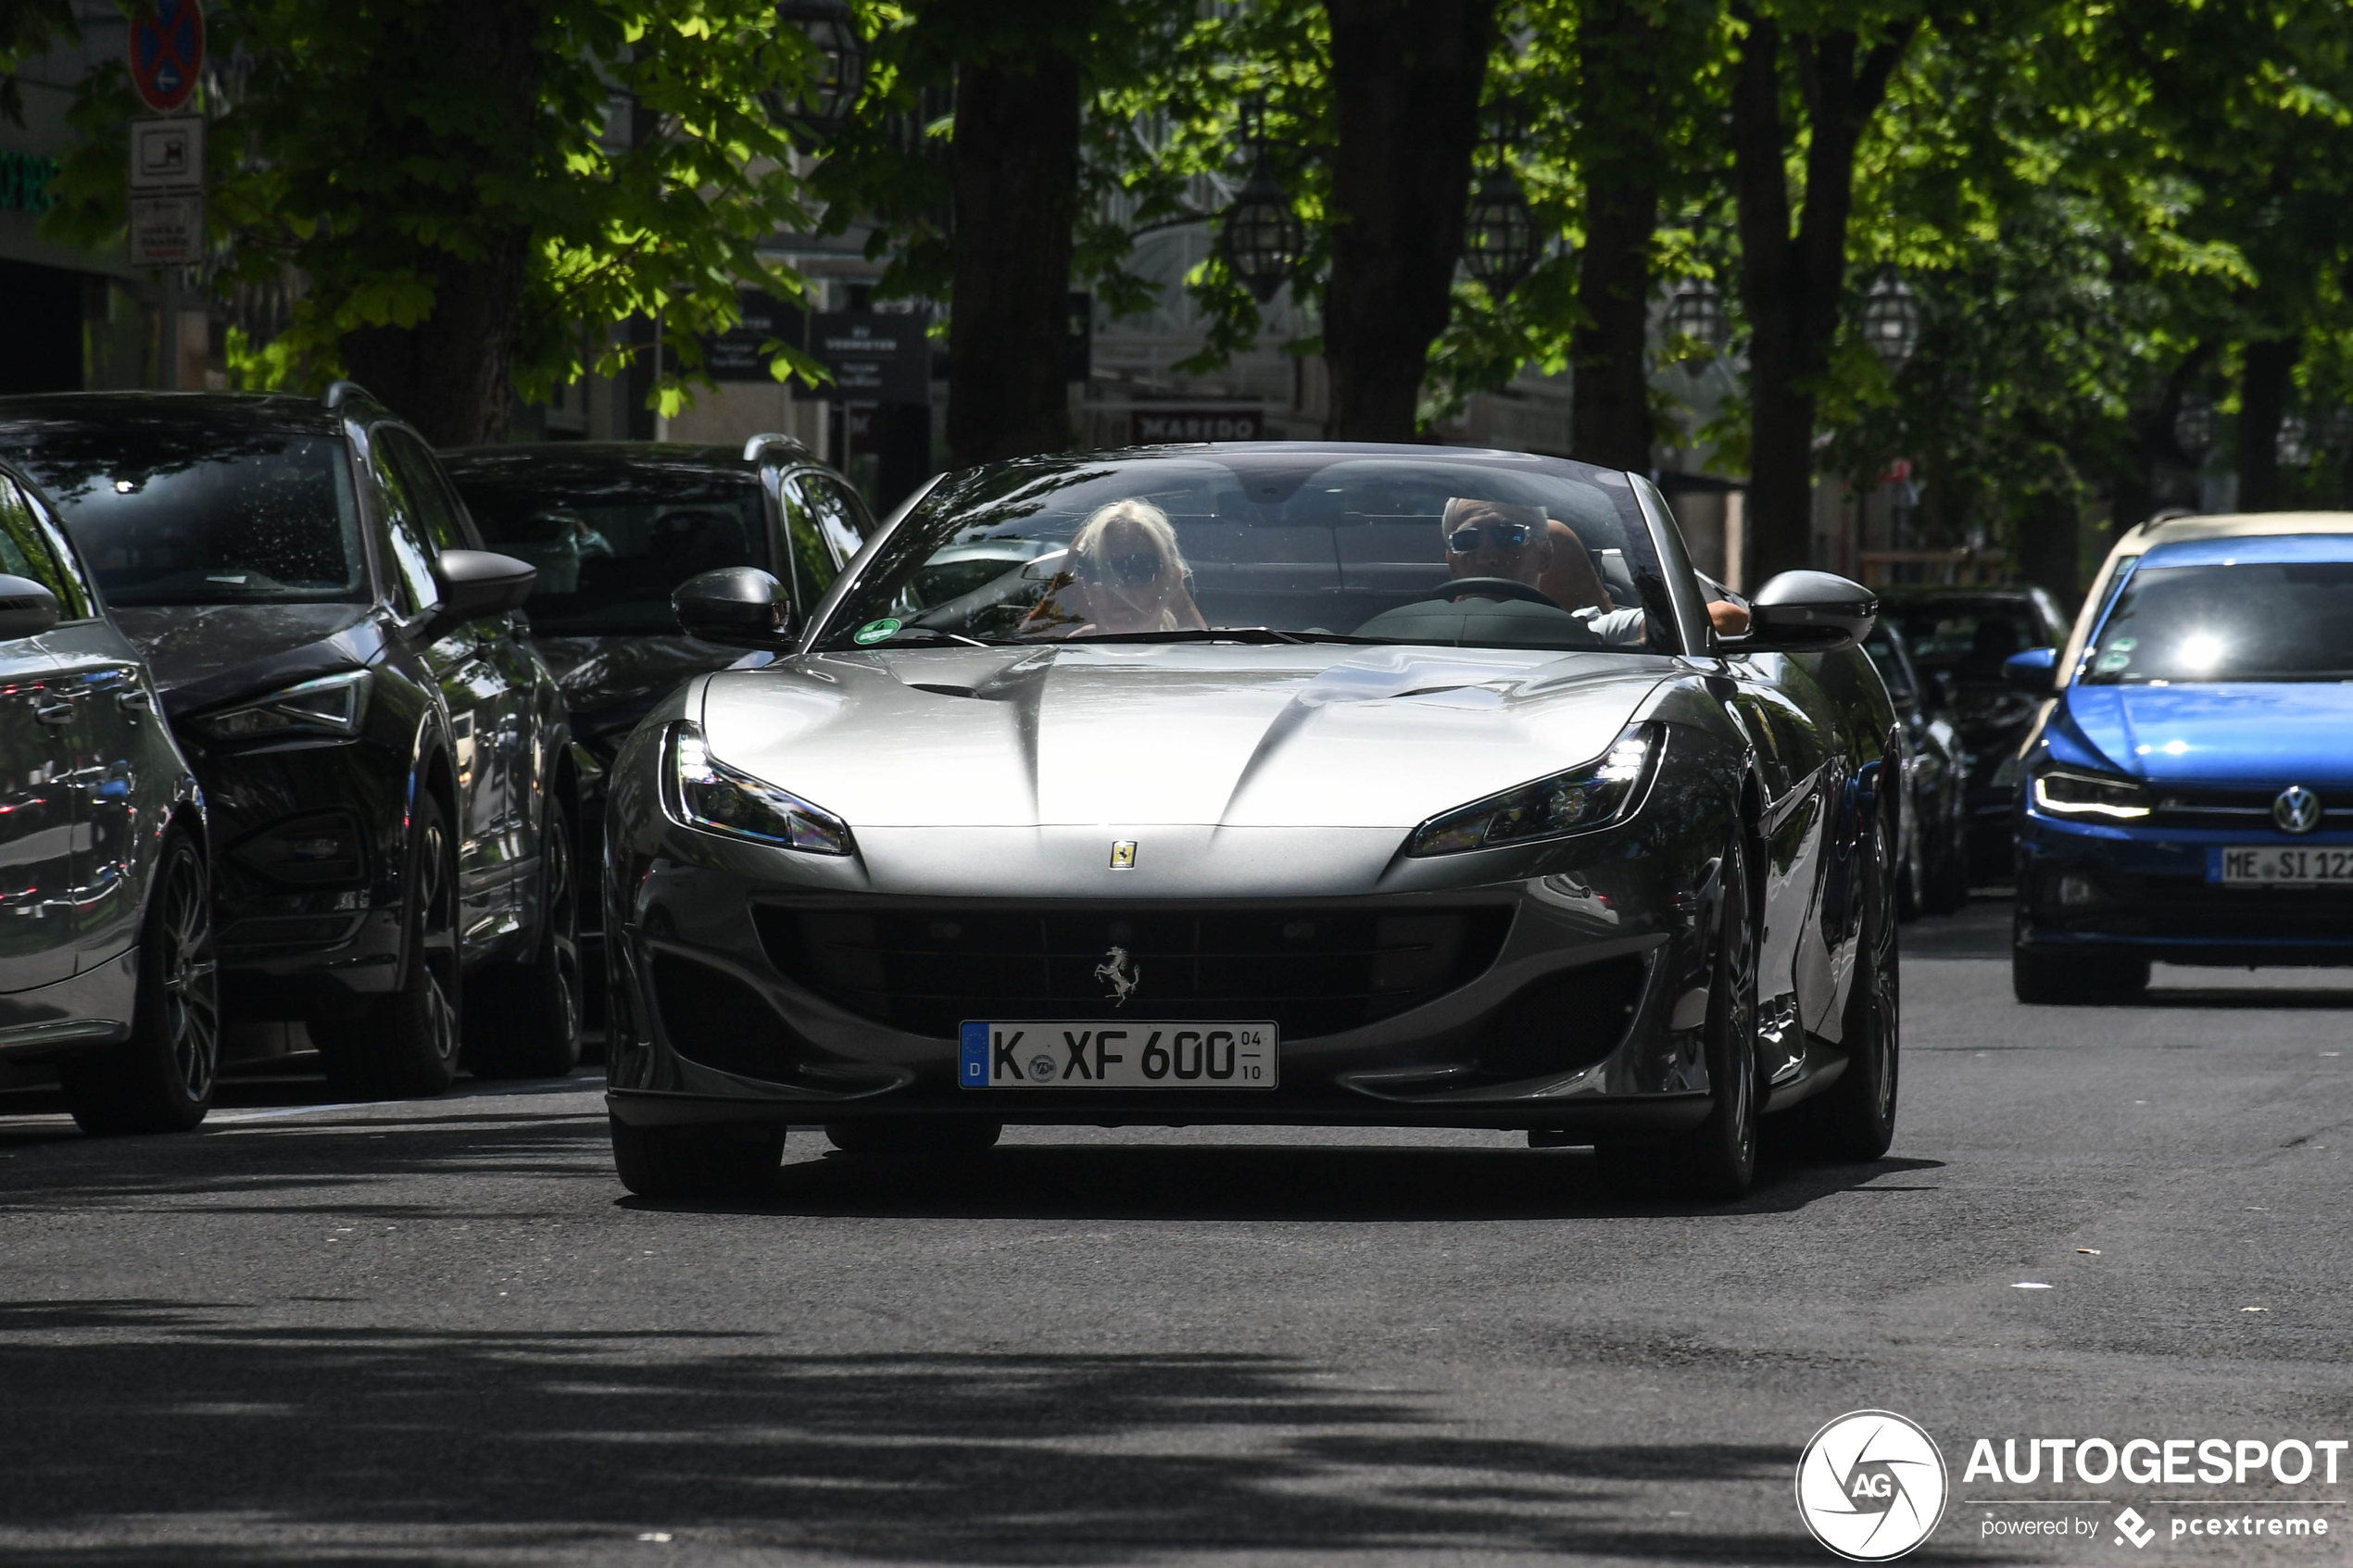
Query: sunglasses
column 1506, row 537
column 1133, row 568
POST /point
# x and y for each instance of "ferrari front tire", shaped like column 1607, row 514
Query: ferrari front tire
column 739, row 1163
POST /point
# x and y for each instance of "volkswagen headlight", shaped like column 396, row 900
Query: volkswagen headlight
column 2065, row 793
column 1593, row 796
column 705, row 793
column 333, row 705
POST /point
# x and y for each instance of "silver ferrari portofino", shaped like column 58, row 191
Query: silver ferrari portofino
column 1269, row 782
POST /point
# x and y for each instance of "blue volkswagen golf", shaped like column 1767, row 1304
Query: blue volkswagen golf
column 2189, row 795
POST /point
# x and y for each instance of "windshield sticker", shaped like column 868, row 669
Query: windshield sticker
column 877, row 631
column 2119, row 655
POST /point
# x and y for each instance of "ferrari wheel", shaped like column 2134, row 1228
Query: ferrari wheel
column 1716, row 1160
column 914, row 1139
column 1854, row 1121
column 739, row 1163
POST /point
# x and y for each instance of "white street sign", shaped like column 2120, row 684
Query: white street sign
column 167, row 154
column 167, row 231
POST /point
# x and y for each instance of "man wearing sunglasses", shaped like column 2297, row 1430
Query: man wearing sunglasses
column 1519, row 544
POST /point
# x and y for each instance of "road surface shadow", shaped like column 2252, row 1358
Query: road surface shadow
column 1257, row 1181
column 138, row 1430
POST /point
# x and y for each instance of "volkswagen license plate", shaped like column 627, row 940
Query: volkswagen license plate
column 1116, row 1056
column 2271, row 866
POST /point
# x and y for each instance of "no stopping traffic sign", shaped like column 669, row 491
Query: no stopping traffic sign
column 166, row 51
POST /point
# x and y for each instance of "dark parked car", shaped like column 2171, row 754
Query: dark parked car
column 383, row 757
column 1932, row 858
column 1961, row 635
column 613, row 528
column 107, row 974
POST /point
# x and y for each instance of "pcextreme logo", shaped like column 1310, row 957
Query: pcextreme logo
column 1872, row 1486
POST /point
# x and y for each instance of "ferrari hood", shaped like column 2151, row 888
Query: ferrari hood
column 1320, row 735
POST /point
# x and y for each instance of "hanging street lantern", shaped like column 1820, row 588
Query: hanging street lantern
column 1696, row 312
column 1260, row 237
column 1500, row 243
column 2291, row 445
column 1891, row 321
column 829, row 96
column 2195, row 428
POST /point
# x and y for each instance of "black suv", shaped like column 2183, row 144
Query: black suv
column 614, row 527
column 384, row 759
column 1958, row 638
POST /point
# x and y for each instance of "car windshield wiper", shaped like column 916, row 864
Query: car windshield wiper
column 1218, row 634
column 932, row 634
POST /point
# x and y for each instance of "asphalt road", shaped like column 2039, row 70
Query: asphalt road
column 439, row 1332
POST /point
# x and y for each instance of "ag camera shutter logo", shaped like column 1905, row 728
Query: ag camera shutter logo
column 1872, row 1486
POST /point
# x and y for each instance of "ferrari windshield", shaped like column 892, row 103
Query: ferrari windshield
column 2253, row 620
column 1271, row 542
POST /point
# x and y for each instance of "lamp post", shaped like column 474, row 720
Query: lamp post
column 1891, row 321
column 1260, row 237
column 829, row 95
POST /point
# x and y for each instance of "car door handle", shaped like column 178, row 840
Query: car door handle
column 53, row 714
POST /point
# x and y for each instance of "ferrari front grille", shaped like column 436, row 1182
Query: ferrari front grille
column 1313, row 971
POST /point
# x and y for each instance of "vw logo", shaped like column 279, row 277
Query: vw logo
column 2297, row 809
column 1872, row 1486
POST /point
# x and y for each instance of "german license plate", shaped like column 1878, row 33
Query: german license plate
column 1116, row 1056
column 2271, row 866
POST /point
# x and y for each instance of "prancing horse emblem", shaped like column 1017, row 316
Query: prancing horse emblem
column 1121, row 973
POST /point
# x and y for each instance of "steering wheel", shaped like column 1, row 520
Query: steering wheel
column 1494, row 587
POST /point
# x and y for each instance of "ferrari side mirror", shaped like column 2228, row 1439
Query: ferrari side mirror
column 1807, row 612
column 27, row 609
column 736, row 606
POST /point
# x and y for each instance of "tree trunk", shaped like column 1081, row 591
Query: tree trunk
column 1016, row 193
column 452, row 374
column 2263, row 400
column 1407, row 75
column 1791, row 283
column 2050, row 543
column 1618, row 44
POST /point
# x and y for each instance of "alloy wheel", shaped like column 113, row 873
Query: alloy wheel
column 438, row 937
column 191, row 979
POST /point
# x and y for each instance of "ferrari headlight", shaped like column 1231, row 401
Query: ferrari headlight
column 2069, row 793
column 333, row 705
column 1577, row 801
column 706, row 793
